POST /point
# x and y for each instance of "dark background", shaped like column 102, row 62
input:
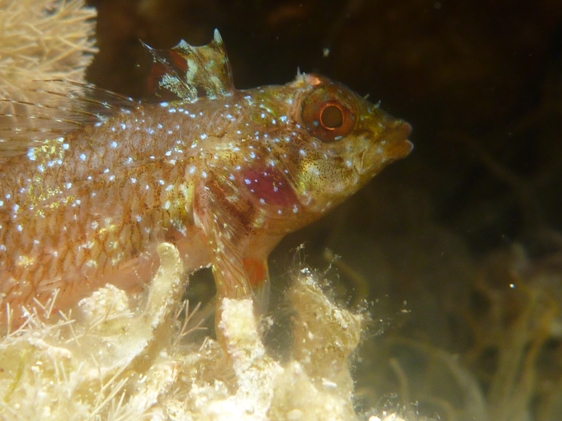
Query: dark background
column 459, row 245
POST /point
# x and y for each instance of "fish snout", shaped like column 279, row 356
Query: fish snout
column 396, row 136
column 390, row 145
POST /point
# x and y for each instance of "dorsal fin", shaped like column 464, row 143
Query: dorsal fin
column 186, row 72
column 48, row 113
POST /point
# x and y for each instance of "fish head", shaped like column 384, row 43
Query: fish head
column 342, row 142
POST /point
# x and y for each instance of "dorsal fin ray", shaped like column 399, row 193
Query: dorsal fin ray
column 186, row 72
column 49, row 113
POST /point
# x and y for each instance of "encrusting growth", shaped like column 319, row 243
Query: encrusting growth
column 121, row 362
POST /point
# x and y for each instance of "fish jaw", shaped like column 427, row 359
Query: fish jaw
column 391, row 145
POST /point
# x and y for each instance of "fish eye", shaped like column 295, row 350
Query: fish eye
column 328, row 114
column 331, row 116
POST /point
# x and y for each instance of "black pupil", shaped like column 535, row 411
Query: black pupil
column 331, row 117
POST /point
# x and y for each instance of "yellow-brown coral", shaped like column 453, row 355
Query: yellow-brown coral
column 43, row 39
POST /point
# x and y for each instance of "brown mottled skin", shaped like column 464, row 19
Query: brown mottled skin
column 224, row 178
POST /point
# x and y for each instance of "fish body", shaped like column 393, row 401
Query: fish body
column 223, row 176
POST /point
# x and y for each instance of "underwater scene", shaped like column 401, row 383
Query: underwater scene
column 280, row 210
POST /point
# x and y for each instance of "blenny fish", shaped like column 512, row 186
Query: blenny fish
column 92, row 183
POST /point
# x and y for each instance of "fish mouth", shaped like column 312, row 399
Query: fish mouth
column 392, row 145
column 397, row 144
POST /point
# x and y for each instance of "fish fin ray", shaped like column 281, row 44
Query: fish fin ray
column 186, row 72
column 45, row 113
column 223, row 230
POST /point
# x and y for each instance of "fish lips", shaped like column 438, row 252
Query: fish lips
column 392, row 145
column 398, row 145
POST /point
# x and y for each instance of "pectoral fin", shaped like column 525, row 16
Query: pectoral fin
column 224, row 232
column 258, row 274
